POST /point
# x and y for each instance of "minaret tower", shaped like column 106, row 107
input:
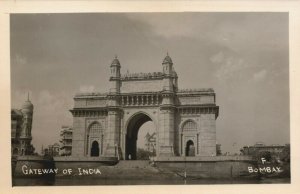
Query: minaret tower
column 115, row 76
column 25, row 137
column 113, row 136
column 168, row 71
column 167, row 110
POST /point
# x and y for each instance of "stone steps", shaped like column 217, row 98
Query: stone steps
column 133, row 164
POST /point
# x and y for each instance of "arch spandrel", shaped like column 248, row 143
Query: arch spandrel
column 133, row 114
column 95, row 125
column 182, row 124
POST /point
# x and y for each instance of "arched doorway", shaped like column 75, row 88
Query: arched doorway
column 95, row 149
column 189, row 138
column 133, row 128
column 95, row 133
column 190, row 148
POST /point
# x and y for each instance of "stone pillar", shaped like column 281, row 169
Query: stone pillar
column 113, row 132
column 166, row 131
column 167, row 125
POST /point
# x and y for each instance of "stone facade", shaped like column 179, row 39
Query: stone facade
column 107, row 124
column 258, row 148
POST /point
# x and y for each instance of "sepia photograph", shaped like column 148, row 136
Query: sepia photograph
column 182, row 98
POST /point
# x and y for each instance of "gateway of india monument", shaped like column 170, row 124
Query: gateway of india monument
column 107, row 124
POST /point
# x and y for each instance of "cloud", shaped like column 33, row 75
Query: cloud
column 217, row 58
column 259, row 76
column 163, row 24
column 228, row 66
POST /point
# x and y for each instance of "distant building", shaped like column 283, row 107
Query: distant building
column 66, row 135
column 275, row 150
column 52, row 150
column 21, row 125
column 150, row 142
column 218, row 149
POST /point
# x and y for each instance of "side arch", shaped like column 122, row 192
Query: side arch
column 95, row 133
column 189, row 132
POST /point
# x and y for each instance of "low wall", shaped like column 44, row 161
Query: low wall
column 207, row 166
column 208, row 169
column 203, row 158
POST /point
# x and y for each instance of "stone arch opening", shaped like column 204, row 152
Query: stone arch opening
column 95, row 149
column 95, row 133
column 133, row 127
column 189, row 138
column 190, row 148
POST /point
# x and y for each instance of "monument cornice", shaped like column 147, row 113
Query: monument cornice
column 94, row 112
column 193, row 94
column 167, row 106
column 113, row 108
column 142, row 76
column 93, row 95
column 113, row 96
column 141, row 93
column 114, row 79
column 199, row 109
column 197, row 106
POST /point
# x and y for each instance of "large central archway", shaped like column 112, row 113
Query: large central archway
column 133, row 127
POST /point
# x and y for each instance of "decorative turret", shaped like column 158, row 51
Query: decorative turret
column 167, row 109
column 112, row 143
column 168, row 74
column 167, row 65
column 115, row 76
column 115, row 68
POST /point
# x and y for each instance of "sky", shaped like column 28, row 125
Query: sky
column 244, row 57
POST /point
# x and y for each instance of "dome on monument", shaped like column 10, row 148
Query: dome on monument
column 116, row 61
column 168, row 59
column 27, row 105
